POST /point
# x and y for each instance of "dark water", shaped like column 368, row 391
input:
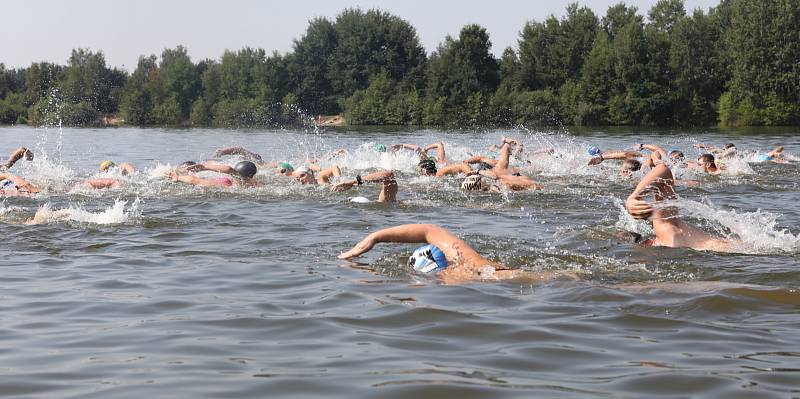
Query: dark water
column 167, row 291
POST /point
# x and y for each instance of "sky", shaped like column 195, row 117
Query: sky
column 48, row 30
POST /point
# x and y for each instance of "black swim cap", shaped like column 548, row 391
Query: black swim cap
column 483, row 166
column 428, row 165
column 245, row 169
column 189, row 163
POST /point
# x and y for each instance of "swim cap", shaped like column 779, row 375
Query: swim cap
column 593, row 151
column 360, row 200
column 105, row 165
column 472, row 182
column 427, row 258
column 245, row 169
column 674, row 151
column 483, row 166
column 304, row 169
column 428, row 165
column 379, row 147
column 764, row 158
column 188, row 163
column 7, row 185
column 287, row 166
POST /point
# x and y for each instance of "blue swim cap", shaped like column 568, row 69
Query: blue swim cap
column 764, row 158
column 593, row 151
column 427, row 258
column 7, row 185
column 379, row 147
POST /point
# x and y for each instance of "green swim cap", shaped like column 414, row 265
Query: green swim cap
column 286, row 165
column 379, row 147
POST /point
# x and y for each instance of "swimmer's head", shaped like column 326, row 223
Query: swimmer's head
column 675, row 155
column 7, row 185
column 475, row 182
column 427, row 258
column 483, row 166
column 106, row 165
column 304, row 175
column 379, row 147
column 629, row 166
column 706, row 160
column 188, row 164
column 245, row 169
column 427, row 167
column 593, row 151
column 285, row 168
column 630, row 237
column 729, row 145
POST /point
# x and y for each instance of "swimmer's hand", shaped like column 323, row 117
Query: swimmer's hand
column 172, row 175
column 343, row 186
column 595, row 161
column 195, row 168
column 638, row 208
column 365, row 245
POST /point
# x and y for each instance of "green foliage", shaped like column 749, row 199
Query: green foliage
column 735, row 64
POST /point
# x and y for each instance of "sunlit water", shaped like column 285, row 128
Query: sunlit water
column 163, row 290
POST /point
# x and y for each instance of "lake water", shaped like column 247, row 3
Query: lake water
column 163, row 290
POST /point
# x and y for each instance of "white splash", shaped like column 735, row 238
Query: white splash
column 114, row 214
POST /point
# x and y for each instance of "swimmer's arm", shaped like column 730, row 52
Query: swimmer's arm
column 454, row 169
column 505, row 153
column 411, row 147
column 518, row 146
column 658, row 181
column 440, row 155
column 194, row 180
column 324, row 176
column 22, row 184
column 479, row 159
column 616, row 155
column 17, row 155
column 238, row 151
column 408, row 233
column 375, row 177
column 218, row 167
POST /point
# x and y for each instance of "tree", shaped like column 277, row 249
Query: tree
column 460, row 68
column 308, row 69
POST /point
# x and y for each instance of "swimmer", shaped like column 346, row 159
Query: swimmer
column 727, row 151
column 453, row 260
column 503, row 175
column 707, row 163
column 241, row 175
column 385, row 178
column 670, row 230
column 314, row 174
column 630, row 159
column 15, row 186
column 775, row 156
column 16, row 156
column 100, row 183
column 124, row 168
column 426, row 165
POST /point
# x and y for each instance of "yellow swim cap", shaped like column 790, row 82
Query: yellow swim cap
column 105, row 165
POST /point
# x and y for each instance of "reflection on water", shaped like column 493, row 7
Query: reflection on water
column 153, row 287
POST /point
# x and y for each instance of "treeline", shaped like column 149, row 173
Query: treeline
column 738, row 64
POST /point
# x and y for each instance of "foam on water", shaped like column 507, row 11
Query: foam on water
column 759, row 231
column 118, row 213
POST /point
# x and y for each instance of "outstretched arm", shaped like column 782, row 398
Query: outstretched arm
column 218, row 167
column 239, row 151
column 22, row 184
column 410, row 233
column 197, row 181
column 614, row 155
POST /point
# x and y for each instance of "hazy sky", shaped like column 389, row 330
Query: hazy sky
column 47, row 30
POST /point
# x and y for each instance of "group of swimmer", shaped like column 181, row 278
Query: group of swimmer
column 444, row 253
